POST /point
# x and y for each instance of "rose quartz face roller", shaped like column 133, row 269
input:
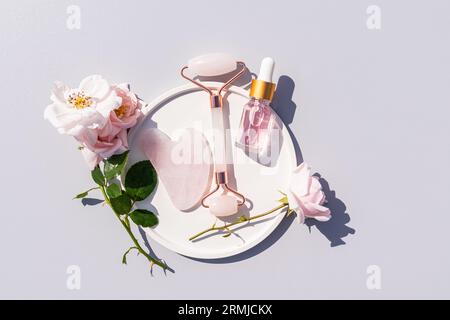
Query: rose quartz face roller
column 223, row 203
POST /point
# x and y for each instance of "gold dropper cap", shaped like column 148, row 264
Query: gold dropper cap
column 261, row 89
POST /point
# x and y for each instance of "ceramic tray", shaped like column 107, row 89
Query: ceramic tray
column 188, row 107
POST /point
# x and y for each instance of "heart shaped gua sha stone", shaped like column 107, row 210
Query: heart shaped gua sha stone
column 184, row 166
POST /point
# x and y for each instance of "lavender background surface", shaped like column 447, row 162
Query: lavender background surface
column 369, row 108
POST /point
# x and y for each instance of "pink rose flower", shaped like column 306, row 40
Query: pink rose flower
column 112, row 138
column 129, row 112
column 305, row 195
column 102, row 143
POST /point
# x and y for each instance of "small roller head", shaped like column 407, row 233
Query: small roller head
column 212, row 64
column 223, row 205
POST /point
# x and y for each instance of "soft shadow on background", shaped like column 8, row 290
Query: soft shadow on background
column 336, row 228
column 152, row 252
column 90, row 201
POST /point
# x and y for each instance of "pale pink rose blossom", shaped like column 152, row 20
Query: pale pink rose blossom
column 102, row 143
column 305, row 195
column 127, row 115
column 112, row 138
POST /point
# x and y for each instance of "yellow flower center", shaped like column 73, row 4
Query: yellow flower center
column 79, row 100
column 121, row 111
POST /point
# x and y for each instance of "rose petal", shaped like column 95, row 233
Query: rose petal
column 317, row 212
column 306, row 196
column 60, row 115
column 316, row 194
column 91, row 158
column 109, row 104
column 95, row 87
column 58, row 92
column 300, row 180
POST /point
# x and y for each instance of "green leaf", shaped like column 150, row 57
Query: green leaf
column 114, row 165
column 121, row 204
column 81, row 195
column 144, row 218
column 113, row 190
column 84, row 194
column 124, row 257
column 140, row 180
column 97, row 176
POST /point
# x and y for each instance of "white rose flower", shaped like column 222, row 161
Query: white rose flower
column 74, row 111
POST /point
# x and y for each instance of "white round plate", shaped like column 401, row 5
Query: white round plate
column 188, row 107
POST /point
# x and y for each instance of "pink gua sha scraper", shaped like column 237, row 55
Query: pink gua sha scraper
column 185, row 174
column 209, row 65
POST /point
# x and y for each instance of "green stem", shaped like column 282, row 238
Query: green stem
column 127, row 227
column 227, row 226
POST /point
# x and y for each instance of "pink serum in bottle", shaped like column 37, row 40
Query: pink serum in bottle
column 258, row 119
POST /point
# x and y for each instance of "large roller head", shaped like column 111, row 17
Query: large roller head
column 212, row 64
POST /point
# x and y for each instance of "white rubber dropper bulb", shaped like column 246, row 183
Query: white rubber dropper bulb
column 266, row 70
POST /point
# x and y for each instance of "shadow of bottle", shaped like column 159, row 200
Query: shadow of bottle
column 285, row 107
